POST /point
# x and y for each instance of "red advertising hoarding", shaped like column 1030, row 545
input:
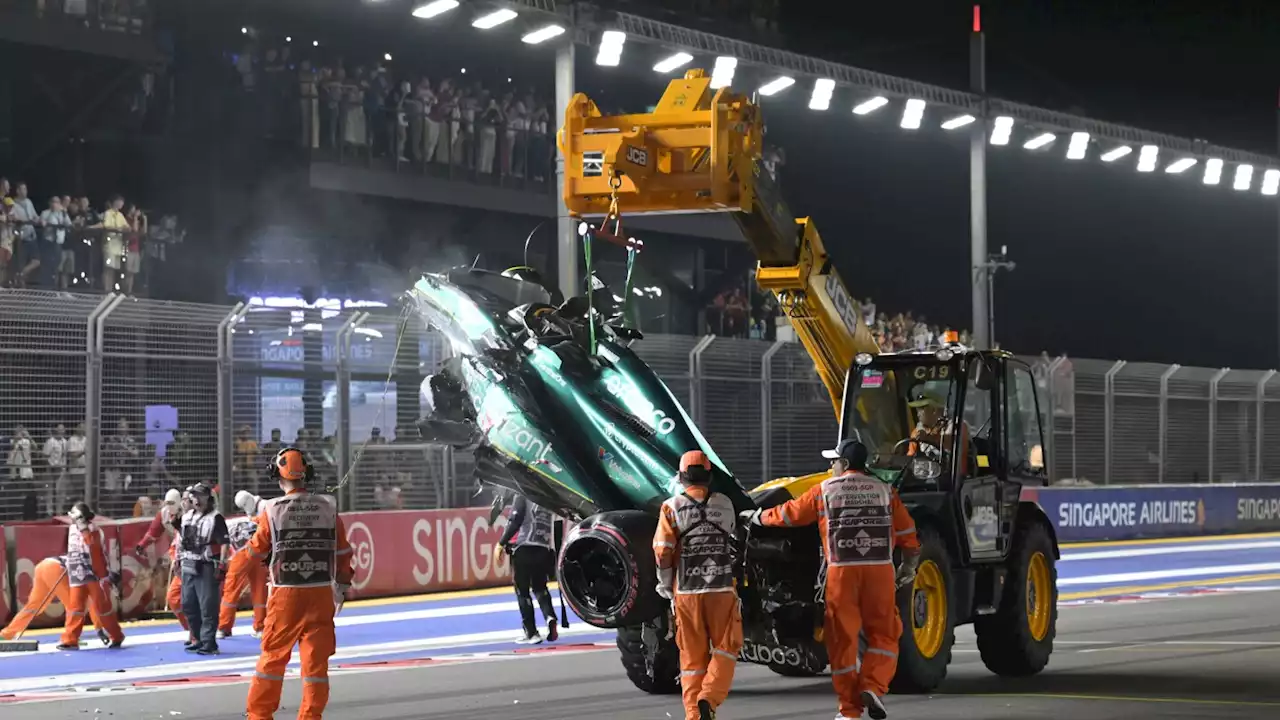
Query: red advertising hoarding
column 5, row 610
column 399, row 552
column 404, row 552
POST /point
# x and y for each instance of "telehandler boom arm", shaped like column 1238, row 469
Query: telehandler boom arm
column 700, row 151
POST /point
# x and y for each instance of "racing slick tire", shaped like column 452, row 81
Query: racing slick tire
column 651, row 660
column 928, row 619
column 1017, row 639
column 608, row 572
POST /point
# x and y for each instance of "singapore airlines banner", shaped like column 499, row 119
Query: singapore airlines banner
column 1154, row 511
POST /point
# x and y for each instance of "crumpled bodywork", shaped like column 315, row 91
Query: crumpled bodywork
column 576, row 433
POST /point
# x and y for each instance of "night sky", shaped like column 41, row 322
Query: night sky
column 1110, row 263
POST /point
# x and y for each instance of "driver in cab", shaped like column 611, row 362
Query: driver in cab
column 933, row 429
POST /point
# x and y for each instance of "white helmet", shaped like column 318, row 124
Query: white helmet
column 247, row 501
column 172, row 497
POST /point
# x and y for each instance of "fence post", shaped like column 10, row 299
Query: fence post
column 1164, row 416
column 1259, row 423
column 226, row 329
column 92, row 397
column 695, row 378
column 1109, row 402
column 93, row 394
column 342, row 343
column 1051, row 432
column 1213, row 418
column 766, row 409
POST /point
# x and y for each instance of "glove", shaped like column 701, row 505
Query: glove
column 751, row 517
column 219, row 572
column 500, row 549
column 115, row 579
column 138, row 549
column 105, row 584
column 664, row 591
column 907, row 570
column 339, row 597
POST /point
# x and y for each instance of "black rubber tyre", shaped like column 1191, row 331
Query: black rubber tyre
column 607, row 570
column 652, row 662
column 917, row 672
column 1005, row 639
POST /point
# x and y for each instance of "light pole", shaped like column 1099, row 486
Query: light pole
column 981, row 292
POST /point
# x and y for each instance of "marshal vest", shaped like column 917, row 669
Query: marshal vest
column 704, row 536
column 859, row 520
column 79, row 563
column 304, row 529
column 196, row 536
column 536, row 529
column 240, row 531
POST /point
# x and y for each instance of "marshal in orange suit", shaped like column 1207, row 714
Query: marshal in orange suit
column 861, row 520
column 303, row 542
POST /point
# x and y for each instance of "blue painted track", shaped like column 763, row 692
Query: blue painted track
column 486, row 622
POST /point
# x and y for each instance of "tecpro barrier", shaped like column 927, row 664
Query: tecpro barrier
column 1082, row 514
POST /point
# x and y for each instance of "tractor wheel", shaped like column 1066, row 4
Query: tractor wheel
column 1017, row 640
column 652, row 662
column 928, row 620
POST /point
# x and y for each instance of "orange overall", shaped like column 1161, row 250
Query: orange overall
column 860, row 520
column 694, row 538
column 50, row 581
column 304, row 568
column 87, row 576
column 243, row 571
column 173, row 597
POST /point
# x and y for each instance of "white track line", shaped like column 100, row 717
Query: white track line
column 242, row 663
column 178, row 636
column 1168, row 550
column 1117, row 578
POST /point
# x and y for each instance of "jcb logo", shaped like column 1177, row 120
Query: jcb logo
column 637, row 155
column 843, row 303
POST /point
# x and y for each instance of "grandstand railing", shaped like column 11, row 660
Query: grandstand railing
column 169, row 394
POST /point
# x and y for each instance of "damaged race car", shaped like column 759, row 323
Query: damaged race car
column 596, row 438
column 555, row 405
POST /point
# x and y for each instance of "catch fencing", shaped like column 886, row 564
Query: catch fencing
column 117, row 399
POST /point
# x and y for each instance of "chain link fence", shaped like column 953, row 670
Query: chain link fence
column 115, row 400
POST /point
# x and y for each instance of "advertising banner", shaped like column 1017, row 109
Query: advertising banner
column 31, row 544
column 403, row 552
column 5, row 610
column 1154, row 511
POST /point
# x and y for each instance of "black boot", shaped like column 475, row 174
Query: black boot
column 705, row 711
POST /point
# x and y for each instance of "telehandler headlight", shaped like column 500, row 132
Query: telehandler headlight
column 863, row 358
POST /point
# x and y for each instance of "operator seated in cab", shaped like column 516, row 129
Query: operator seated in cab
column 933, row 435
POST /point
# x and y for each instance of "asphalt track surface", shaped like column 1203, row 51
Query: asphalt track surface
column 1209, row 649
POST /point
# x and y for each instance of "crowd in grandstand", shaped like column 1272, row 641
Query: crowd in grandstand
column 409, row 116
column 70, row 244
column 740, row 313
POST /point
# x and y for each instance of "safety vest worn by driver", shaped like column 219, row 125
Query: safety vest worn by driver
column 304, row 546
column 704, row 543
column 536, row 529
column 859, row 514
